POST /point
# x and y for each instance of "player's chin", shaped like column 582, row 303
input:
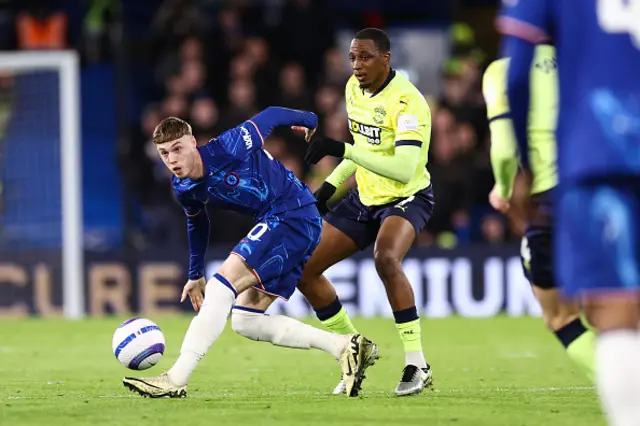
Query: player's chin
column 364, row 84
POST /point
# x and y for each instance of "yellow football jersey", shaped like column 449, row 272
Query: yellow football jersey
column 543, row 113
column 395, row 113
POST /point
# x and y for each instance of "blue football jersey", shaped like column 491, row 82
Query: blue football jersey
column 241, row 176
column 598, row 54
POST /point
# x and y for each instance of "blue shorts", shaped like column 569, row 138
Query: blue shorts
column 361, row 223
column 596, row 245
column 278, row 247
column 536, row 250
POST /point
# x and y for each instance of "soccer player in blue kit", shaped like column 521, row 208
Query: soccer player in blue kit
column 597, row 253
column 235, row 172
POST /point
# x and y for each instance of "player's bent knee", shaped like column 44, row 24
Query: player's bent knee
column 263, row 328
column 387, row 263
column 246, row 324
column 238, row 273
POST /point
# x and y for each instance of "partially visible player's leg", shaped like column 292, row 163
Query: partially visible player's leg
column 233, row 277
column 597, row 257
column 277, row 261
column 394, row 239
column 561, row 316
column 249, row 320
column 355, row 352
column 400, row 225
column 346, row 230
column 317, row 289
column 616, row 317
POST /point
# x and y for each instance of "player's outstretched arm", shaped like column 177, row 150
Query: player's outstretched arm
column 250, row 135
column 400, row 167
column 273, row 117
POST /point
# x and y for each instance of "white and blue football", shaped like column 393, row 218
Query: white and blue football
column 138, row 343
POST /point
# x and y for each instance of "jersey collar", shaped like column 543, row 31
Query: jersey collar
column 392, row 73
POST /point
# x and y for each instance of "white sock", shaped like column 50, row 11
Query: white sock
column 618, row 376
column 415, row 358
column 205, row 328
column 285, row 331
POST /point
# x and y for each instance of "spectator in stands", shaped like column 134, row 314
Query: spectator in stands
column 493, row 229
column 204, row 118
column 336, row 69
column 265, row 76
column 40, row 27
column 294, row 92
column 327, row 101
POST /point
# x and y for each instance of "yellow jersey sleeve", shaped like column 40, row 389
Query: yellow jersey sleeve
column 543, row 109
column 494, row 88
column 412, row 119
column 503, row 152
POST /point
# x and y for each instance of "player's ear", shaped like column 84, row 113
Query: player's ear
column 387, row 58
column 193, row 140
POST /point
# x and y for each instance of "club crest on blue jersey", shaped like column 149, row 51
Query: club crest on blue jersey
column 231, row 179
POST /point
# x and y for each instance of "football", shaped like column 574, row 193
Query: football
column 138, row 343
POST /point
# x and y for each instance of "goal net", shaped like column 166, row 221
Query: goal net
column 41, row 259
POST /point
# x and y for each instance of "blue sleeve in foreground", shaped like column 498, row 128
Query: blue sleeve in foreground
column 521, row 54
column 525, row 19
column 272, row 117
column 198, row 233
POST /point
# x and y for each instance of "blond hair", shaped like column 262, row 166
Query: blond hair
column 171, row 129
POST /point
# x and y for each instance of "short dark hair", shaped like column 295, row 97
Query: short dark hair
column 170, row 129
column 380, row 38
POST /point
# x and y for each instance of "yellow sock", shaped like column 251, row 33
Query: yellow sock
column 580, row 343
column 340, row 323
column 581, row 351
column 410, row 336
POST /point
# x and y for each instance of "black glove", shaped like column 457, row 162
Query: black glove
column 323, row 194
column 321, row 147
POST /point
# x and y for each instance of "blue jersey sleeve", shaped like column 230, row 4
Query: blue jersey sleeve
column 518, row 87
column 525, row 19
column 197, row 232
column 249, row 137
column 524, row 23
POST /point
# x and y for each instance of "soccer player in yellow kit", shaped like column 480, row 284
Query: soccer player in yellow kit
column 562, row 317
column 391, row 124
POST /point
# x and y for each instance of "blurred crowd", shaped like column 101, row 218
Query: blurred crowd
column 216, row 64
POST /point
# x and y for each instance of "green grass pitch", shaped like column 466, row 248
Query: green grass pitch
column 497, row 371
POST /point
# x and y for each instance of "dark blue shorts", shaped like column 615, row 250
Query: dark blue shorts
column 597, row 243
column 278, row 247
column 361, row 223
column 537, row 244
